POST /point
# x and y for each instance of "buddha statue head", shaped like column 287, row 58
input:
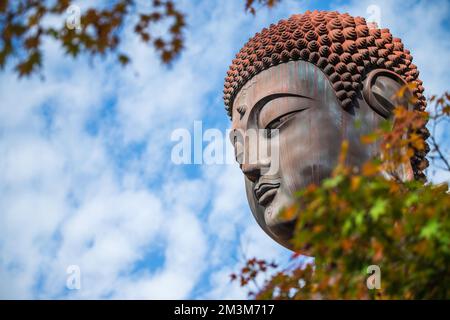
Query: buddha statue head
column 314, row 80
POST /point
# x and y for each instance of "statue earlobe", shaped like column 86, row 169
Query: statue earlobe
column 379, row 90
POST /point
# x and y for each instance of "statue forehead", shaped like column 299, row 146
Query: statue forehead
column 296, row 77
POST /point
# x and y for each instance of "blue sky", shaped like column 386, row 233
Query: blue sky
column 86, row 176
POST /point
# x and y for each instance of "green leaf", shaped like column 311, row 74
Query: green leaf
column 430, row 230
column 378, row 209
column 412, row 199
column 386, row 125
column 359, row 218
column 333, row 182
column 347, row 226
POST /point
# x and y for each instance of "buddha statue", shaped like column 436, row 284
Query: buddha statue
column 315, row 79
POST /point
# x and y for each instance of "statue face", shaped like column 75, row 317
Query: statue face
column 297, row 99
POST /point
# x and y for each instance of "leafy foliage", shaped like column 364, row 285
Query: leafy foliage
column 24, row 26
column 252, row 268
column 250, row 4
column 439, row 115
column 370, row 216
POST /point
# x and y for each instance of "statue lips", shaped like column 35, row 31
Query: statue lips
column 265, row 192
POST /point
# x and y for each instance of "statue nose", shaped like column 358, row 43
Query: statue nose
column 251, row 171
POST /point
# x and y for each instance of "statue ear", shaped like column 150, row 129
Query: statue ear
column 379, row 90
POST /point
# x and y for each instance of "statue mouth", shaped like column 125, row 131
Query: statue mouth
column 265, row 192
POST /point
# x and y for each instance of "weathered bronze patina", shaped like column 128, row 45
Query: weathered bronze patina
column 312, row 77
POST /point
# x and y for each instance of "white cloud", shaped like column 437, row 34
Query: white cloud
column 71, row 196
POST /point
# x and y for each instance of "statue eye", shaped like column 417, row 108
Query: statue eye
column 278, row 122
column 277, row 111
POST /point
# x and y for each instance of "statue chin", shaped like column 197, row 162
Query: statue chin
column 268, row 216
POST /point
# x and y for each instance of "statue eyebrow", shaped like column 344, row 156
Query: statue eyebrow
column 261, row 102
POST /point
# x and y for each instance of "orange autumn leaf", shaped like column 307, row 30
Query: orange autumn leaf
column 290, row 212
column 369, row 138
column 355, row 183
column 370, row 169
